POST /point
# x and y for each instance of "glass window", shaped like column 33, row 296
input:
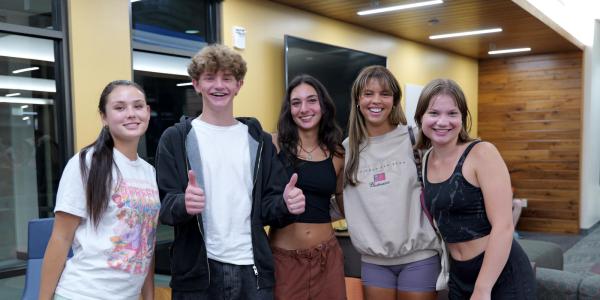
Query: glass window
column 33, row 13
column 154, row 24
column 170, row 95
column 29, row 142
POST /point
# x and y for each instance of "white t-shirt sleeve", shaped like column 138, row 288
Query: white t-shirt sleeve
column 71, row 193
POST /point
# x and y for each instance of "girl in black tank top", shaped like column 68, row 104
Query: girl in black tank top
column 305, row 250
column 474, row 217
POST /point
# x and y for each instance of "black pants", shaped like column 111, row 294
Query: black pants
column 228, row 282
column 516, row 281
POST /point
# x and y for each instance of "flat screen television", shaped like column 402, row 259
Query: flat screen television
column 336, row 67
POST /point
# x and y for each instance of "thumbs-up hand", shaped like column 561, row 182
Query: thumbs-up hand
column 194, row 196
column 294, row 197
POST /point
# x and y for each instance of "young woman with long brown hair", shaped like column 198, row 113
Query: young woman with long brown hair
column 308, row 259
column 106, row 209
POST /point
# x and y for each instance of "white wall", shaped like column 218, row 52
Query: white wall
column 590, row 156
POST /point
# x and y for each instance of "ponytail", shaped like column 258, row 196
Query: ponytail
column 98, row 178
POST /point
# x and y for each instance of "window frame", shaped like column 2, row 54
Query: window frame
column 63, row 85
column 213, row 24
column 63, row 101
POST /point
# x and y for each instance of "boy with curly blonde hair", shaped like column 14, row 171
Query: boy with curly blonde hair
column 220, row 182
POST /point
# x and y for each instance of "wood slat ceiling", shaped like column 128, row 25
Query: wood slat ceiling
column 520, row 29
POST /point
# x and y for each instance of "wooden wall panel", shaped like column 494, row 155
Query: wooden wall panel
column 530, row 108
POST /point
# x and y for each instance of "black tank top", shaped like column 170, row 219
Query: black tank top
column 457, row 206
column 317, row 180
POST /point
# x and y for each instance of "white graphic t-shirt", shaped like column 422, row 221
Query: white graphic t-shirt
column 112, row 260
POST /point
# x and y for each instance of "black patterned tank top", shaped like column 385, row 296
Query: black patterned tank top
column 457, row 206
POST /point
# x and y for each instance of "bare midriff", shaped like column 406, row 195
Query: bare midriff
column 467, row 250
column 298, row 236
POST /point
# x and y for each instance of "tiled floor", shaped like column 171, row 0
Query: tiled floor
column 565, row 241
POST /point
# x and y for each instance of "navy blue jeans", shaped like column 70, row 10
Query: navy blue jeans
column 228, row 282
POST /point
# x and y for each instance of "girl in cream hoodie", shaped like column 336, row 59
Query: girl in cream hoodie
column 398, row 247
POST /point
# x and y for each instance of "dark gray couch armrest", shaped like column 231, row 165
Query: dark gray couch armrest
column 589, row 289
column 544, row 254
column 557, row 285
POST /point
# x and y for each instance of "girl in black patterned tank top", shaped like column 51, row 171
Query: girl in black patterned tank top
column 468, row 193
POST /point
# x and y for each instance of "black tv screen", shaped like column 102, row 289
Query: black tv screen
column 336, row 67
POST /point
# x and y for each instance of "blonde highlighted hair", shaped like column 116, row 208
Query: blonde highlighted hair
column 357, row 128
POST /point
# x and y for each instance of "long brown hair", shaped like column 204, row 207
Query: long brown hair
column 357, row 128
column 329, row 134
column 98, row 178
column 443, row 86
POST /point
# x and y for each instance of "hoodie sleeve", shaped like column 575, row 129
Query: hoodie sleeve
column 273, row 210
column 170, row 165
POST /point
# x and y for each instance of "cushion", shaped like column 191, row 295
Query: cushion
column 557, row 285
column 589, row 288
column 544, row 254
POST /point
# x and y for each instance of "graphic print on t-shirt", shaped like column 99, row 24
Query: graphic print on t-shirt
column 134, row 235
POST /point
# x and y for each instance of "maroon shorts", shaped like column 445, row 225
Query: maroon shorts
column 315, row 273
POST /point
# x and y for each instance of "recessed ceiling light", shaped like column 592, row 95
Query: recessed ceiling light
column 494, row 52
column 12, row 95
column 398, row 7
column 135, row 1
column 25, row 70
column 184, row 84
column 464, row 33
column 192, row 31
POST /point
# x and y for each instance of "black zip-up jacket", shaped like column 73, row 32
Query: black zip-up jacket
column 176, row 154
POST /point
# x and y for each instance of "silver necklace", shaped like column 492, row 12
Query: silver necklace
column 309, row 153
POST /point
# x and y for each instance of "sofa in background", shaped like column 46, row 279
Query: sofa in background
column 544, row 254
column 553, row 283
column 562, row 285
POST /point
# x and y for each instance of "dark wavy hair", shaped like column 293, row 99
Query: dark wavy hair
column 329, row 135
column 98, row 178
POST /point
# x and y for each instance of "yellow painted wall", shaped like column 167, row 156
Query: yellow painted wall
column 266, row 24
column 100, row 51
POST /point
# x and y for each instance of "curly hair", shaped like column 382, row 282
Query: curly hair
column 329, row 135
column 217, row 57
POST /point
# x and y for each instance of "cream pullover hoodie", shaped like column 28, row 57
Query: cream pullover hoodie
column 383, row 211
